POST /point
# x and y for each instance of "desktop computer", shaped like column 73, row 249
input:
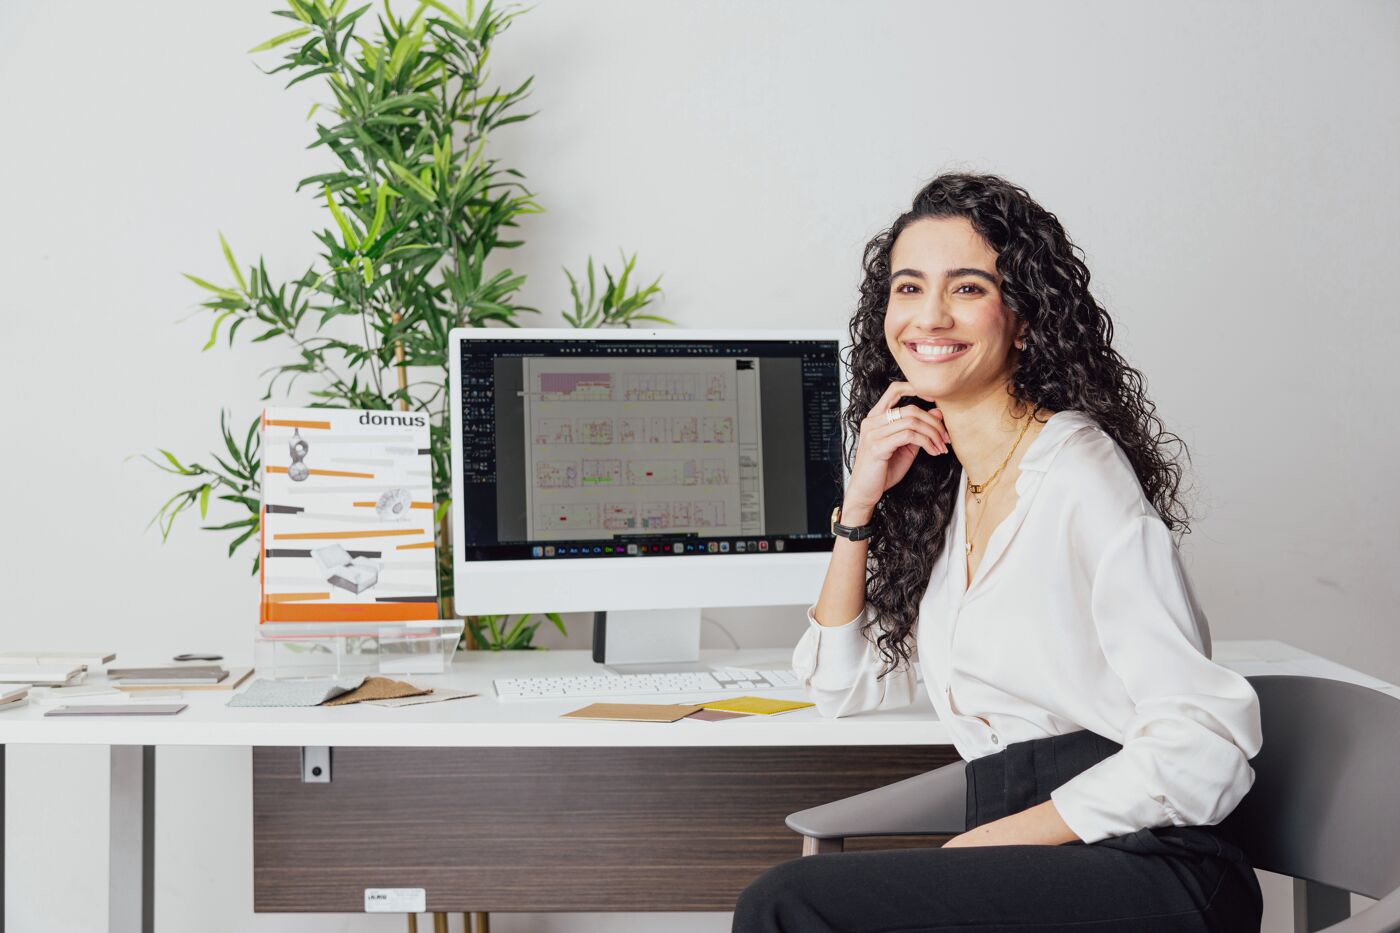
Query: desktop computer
column 643, row 475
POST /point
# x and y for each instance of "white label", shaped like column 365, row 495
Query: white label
column 396, row 900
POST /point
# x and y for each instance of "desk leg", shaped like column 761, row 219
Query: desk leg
column 1316, row 905
column 132, row 848
column 2, row 839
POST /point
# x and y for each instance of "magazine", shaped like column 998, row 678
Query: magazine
column 347, row 517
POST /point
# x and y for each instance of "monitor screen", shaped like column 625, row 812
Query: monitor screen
column 610, row 447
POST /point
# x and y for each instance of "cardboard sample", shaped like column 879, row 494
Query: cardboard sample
column 633, row 712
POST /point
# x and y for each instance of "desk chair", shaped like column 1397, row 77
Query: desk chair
column 1324, row 808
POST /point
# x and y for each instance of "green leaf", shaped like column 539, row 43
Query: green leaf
column 346, row 230
column 279, row 40
column 223, row 292
column 241, row 523
column 204, row 501
column 179, row 467
column 214, row 334
column 444, row 10
column 408, row 178
column 403, row 48
column 233, row 546
column 381, row 201
column 228, row 255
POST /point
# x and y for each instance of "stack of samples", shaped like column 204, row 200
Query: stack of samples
column 184, row 675
column 12, row 696
column 48, row 675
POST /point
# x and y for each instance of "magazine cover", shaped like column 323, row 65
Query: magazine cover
column 347, row 517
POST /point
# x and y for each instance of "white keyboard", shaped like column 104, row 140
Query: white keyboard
column 715, row 682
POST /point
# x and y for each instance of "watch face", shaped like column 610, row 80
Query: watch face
column 835, row 516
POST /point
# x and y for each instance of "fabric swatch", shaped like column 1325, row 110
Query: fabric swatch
column 377, row 688
column 295, row 692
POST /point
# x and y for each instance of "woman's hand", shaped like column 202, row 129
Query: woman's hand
column 885, row 450
column 1040, row 825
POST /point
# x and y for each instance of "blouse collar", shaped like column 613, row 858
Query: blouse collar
column 1034, row 463
column 1052, row 437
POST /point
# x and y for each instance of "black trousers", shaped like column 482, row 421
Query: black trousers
column 1174, row 878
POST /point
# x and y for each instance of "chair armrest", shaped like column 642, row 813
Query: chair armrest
column 1381, row 917
column 930, row 804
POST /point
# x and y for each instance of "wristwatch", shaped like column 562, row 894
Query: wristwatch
column 859, row 533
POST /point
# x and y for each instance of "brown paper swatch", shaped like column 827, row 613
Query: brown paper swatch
column 377, row 688
column 716, row 715
column 432, row 696
column 633, row 712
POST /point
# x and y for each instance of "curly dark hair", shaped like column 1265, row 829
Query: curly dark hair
column 1067, row 363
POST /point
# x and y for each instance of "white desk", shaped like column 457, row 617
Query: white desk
column 483, row 722
column 480, row 721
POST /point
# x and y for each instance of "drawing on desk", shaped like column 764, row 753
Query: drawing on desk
column 351, row 537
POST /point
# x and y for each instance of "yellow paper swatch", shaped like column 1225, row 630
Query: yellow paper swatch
column 760, row 705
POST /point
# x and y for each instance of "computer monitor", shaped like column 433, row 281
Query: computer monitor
column 643, row 475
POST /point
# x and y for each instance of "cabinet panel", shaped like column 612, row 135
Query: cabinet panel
column 549, row 829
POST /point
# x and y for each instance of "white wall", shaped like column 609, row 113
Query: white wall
column 1228, row 169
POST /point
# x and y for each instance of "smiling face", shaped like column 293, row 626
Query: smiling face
column 945, row 323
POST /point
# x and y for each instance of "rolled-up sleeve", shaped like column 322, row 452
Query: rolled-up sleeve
column 839, row 668
column 1186, row 749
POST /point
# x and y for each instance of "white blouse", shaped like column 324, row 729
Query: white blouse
column 1080, row 616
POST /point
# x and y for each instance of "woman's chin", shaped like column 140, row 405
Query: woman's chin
column 931, row 390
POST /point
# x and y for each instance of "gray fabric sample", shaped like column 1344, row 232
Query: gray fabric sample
column 295, row 692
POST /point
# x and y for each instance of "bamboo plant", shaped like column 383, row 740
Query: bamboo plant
column 418, row 215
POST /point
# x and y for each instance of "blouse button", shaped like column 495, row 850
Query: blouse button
column 995, row 740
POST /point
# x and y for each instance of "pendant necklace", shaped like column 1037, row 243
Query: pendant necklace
column 978, row 490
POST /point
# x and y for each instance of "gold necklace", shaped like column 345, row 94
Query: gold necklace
column 978, row 489
column 970, row 536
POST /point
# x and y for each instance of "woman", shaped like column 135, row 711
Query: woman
column 1015, row 543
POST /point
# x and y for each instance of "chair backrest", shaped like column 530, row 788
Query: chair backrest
column 1325, row 805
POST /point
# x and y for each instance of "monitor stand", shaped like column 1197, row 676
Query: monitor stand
column 648, row 641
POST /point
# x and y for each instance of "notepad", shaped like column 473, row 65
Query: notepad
column 633, row 712
column 761, row 706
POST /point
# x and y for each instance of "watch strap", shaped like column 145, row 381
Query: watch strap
column 850, row 532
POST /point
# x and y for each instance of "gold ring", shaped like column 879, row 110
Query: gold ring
column 893, row 415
